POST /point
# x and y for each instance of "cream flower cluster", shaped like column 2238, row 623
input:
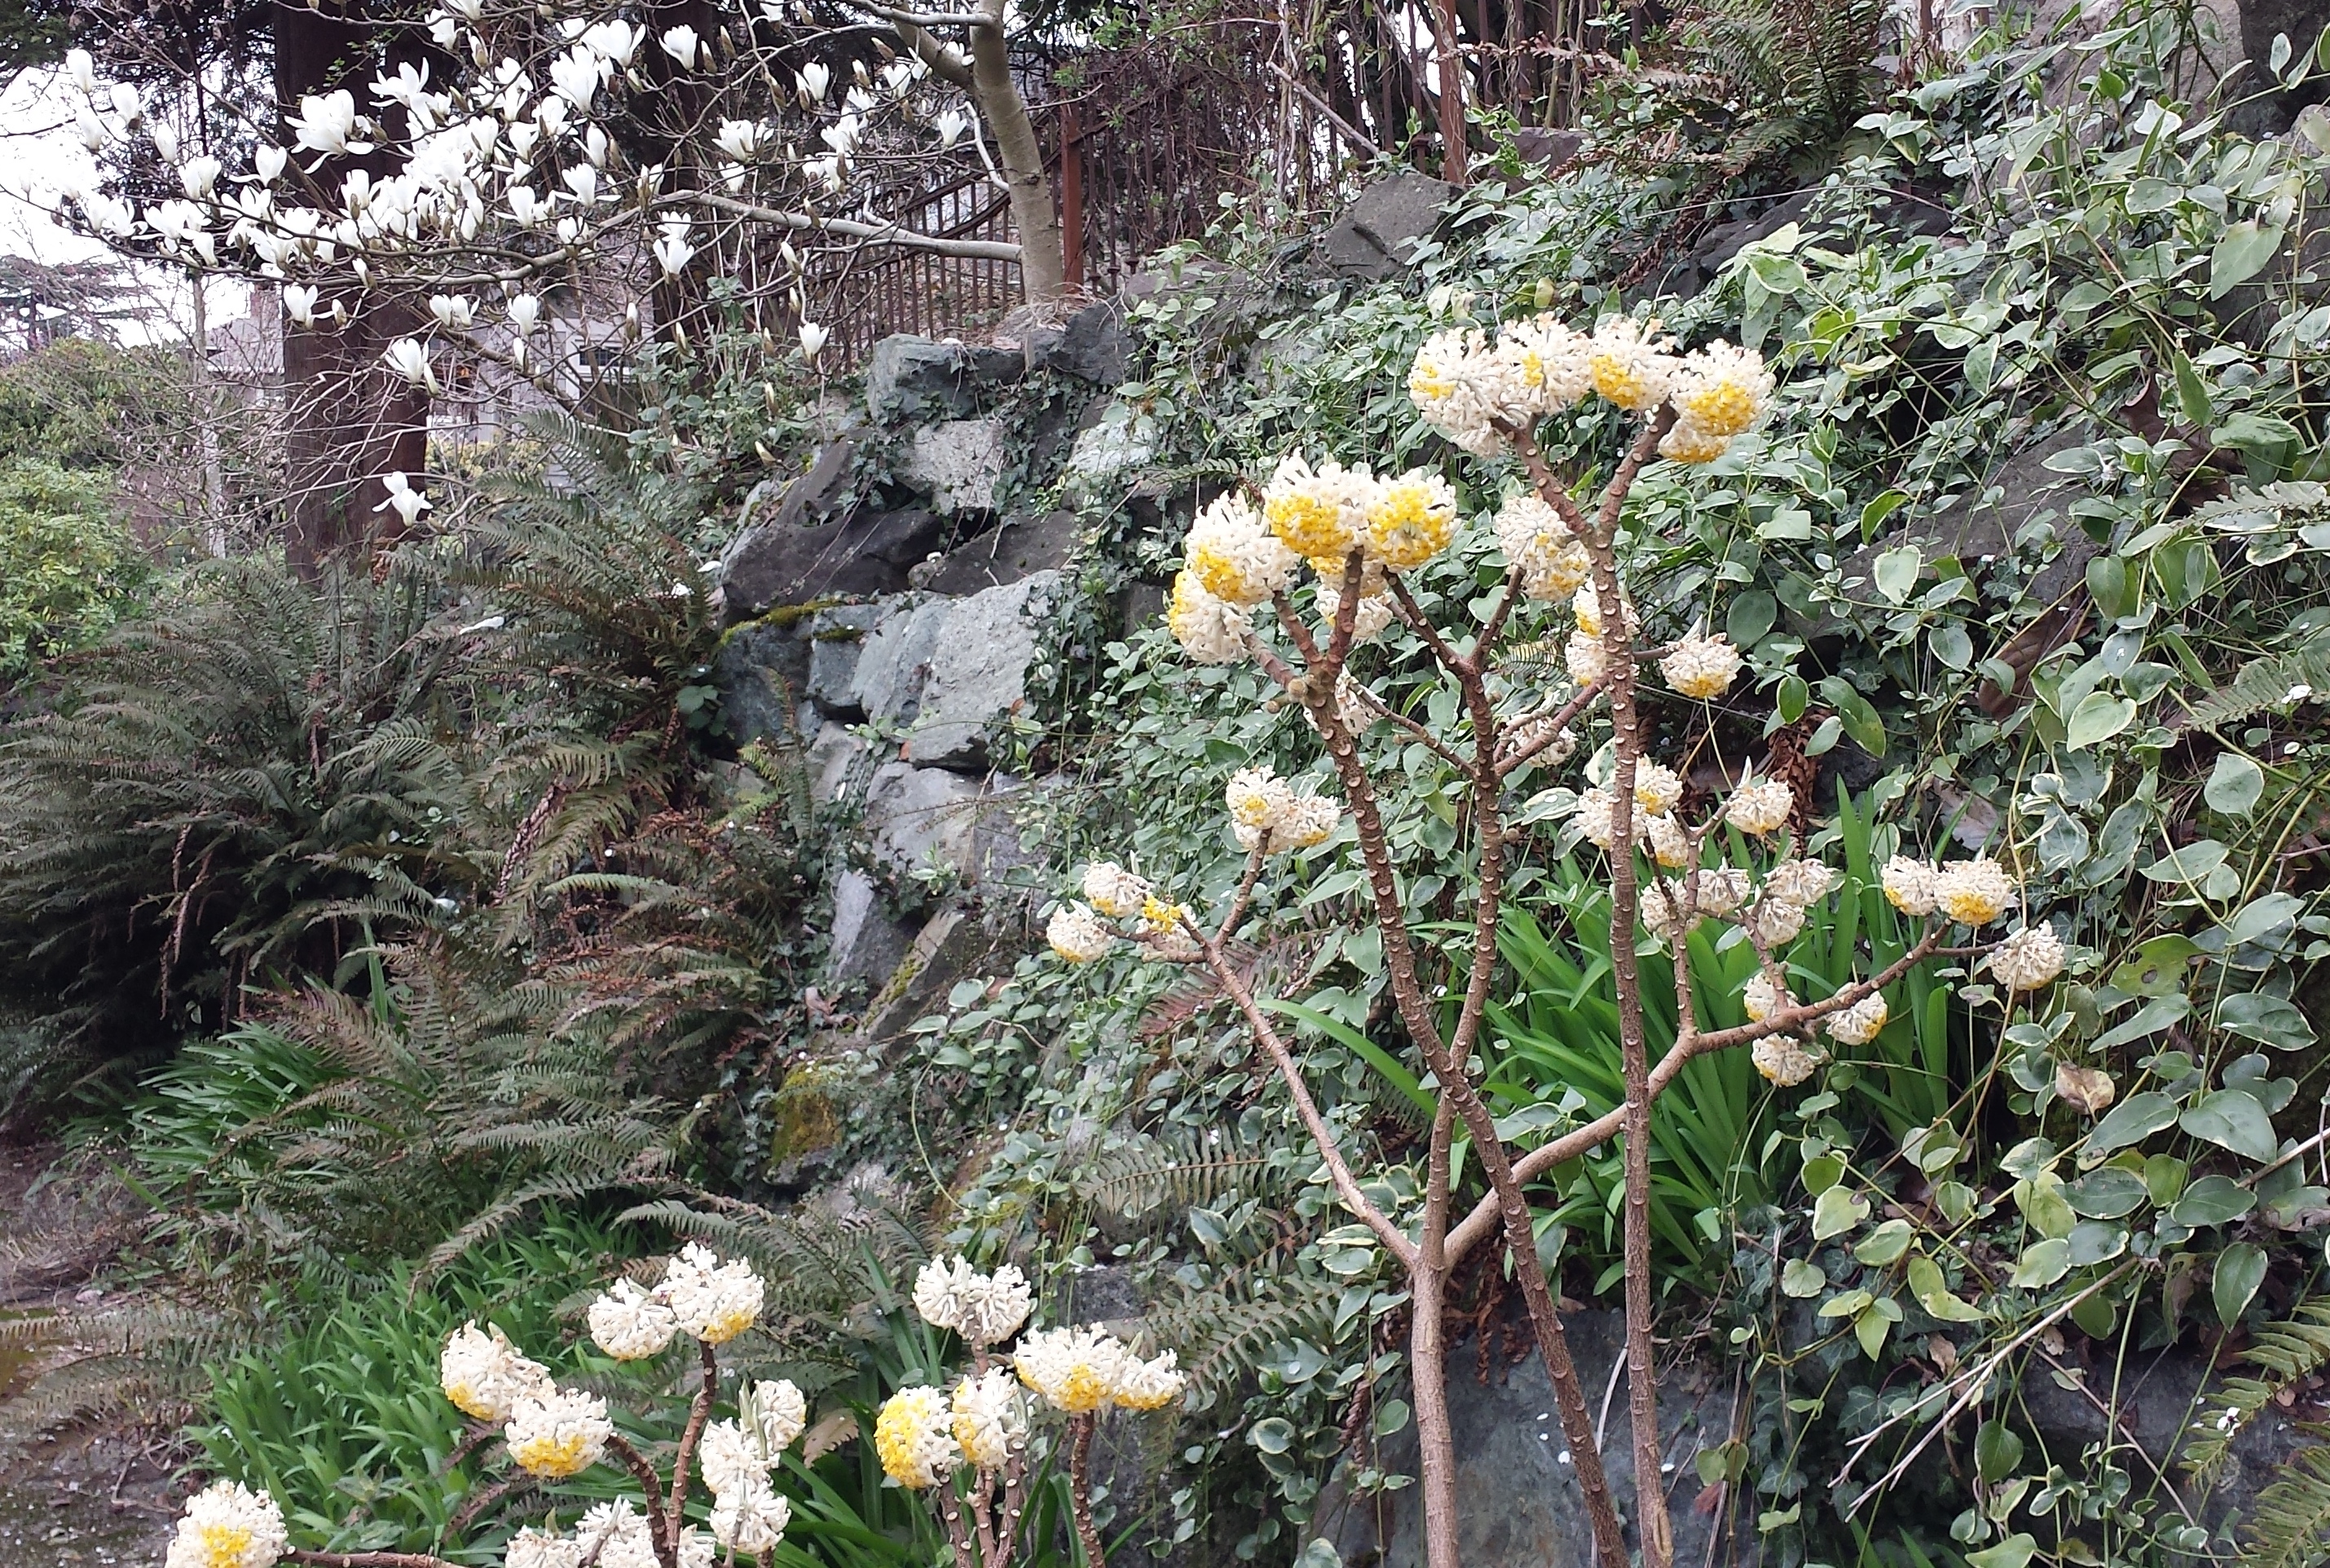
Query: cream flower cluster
column 711, row 1301
column 557, row 1433
column 482, row 1373
column 736, row 1457
column 631, row 1324
column 1474, row 391
column 227, row 1526
column 1760, row 806
column 1081, row 1369
column 1210, row 630
column 984, row 1308
column 1234, row 555
column 913, row 1436
column 1973, row 893
column 610, row 1536
column 1260, row 802
column 1782, row 1059
column 1719, row 393
column 1078, row 935
column 988, row 1419
column 1321, row 514
column 2028, row 958
column 1860, row 1023
column 1370, row 617
column 1701, row 667
column 1540, row 547
column 1115, row 892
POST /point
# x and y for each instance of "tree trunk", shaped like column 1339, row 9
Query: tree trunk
column 1043, row 257
column 350, row 420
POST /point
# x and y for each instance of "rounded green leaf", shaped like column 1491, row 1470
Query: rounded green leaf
column 1997, row 1449
column 2099, row 717
column 2235, row 785
column 2240, row 1270
column 2269, row 1020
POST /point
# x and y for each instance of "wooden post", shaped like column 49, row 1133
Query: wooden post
column 1072, row 198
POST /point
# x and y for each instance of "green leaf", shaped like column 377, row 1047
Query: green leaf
column 1790, row 697
column 1880, row 509
column 2234, row 1120
column 2132, row 1120
column 1885, row 1245
column 1951, row 646
column 2099, row 717
column 1860, row 719
column 2266, row 1019
column 2213, row 1200
column 2041, row 1264
column 2106, row 1194
column 2096, row 1242
column 1387, row 1066
column 2188, row 863
column 2241, row 254
column 2015, row 1552
column 1839, row 1209
column 2157, row 967
column 1933, row 1293
column 1871, row 1327
column 1997, row 1449
column 1801, row 1280
column 1272, row 1435
column 2192, row 393
column 2149, row 1019
column 1897, row 572
column 1749, row 617
column 2240, row 1270
column 2234, row 785
column 2260, row 435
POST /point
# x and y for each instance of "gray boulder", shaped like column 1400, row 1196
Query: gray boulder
column 894, row 662
column 834, row 759
column 989, row 642
column 1374, row 238
column 1019, row 548
column 957, row 462
column 1095, row 344
column 858, row 556
column 817, row 493
column 866, row 942
column 836, row 637
column 908, row 376
column 759, row 671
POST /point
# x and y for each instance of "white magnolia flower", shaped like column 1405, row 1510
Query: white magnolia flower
column 454, row 312
column 950, row 124
column 712, row 1301
column 270, row 161
column 409, row 358
column 328, row 123
column 813, row 338
column 681, row 44
column 525, row 310
column 672, row 250
column 299, row 304
column 81, row 69
column 198, row 176
column 814, row 79
column 406, row 502
column 227, row 1526
column 629, row 1324
column 557, row 1433
column 575, row 78
column 482, row 1373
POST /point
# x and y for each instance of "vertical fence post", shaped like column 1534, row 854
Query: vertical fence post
column 1072, row 195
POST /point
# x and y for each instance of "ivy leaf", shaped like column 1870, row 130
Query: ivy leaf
column 2041, row 1264
column 1951, row 645
column 1885, row 1245
column 2132, row 1120
column 1897, row 572
column 2240, row 1270
column 1997, row 1449
column 1803, row 1278
column 2213, row 1200
column 2234, row 1120
column 2234, row 785
column 2099, row 717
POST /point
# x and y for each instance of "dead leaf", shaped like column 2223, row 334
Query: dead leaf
column 2085, row 1090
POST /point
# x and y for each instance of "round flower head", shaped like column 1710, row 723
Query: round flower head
column 713, row 1301
column 1629, row 365
column 1368, row 617
column 1113, row 890
column 1762, row 996
column 1782, row 1059
column 1722, row 390
column 1561, row 743
column 533, row 1548
column 1858, row 1024
column 1455, row 384
column 1701, row 667
column 557, row 1433
column 1670, row 844
column 1210, row 630
column 227, row 1526
column 1412, row 519
column 1802, row 882
column 984, row 1308
column 1775, row 920
column 1657, row 787
column 1547, row 368
column 1234, row 558
column 1975, row 891
column 751, row 1519
column 629, row 1324
column 1320, row 514
column 2027, row 959
column 1151, row 1385
column 1722, row 890
column 1665, row 912
column 1539, row 546
column 484, row 1374
column 913, row 1437
column 617, row 1536
column 1686, row 443
column 730, row 1458
column 774, row 1414
column 1308, row 821
column 1910, row 885
column 1760, row 806
column 1597, row 815
column 1163, row 918
column 1077, row 934
column 1255, row 796
column 1073, row 1369
column 1584, row 658
column 1586, row 606
column 990, row 1419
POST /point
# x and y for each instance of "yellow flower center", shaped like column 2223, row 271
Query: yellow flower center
column 1311, row 527
column 555, row 1456
column 1408, row 526
column 471, row 1401
column 1221, row 574
column 224, row 1542
column 727, row 1326
column 1084, row 1389
column 1721, row 407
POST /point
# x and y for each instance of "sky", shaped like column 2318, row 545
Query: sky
column 39, row 151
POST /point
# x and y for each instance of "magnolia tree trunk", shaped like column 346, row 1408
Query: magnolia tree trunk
column 349, row 418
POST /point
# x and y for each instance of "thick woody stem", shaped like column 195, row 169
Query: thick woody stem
column 1656, row 1530
column 1451, row 1067
column 951, row 1510
column 1238, row 904
column 698, row 1413
column 667, row 1550
column 1014, row 1498
column 1080, row 1489
column 982, row 1518
column 1428, row 1352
